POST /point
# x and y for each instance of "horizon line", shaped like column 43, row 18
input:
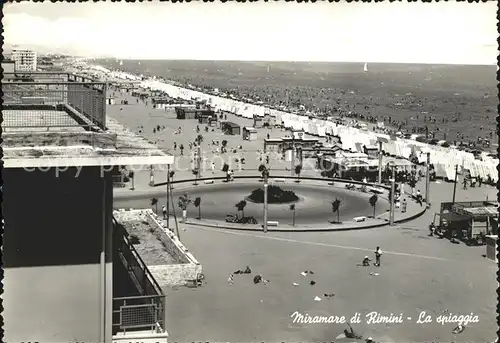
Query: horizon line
column 284, row 61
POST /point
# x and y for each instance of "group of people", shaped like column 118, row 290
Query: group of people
column 367, row 260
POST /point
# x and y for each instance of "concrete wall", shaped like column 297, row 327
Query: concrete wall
column 53, row 239
column 187, row 267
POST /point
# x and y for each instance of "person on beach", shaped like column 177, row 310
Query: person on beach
column 351, row 334
column 378, row 253
column 366, row 261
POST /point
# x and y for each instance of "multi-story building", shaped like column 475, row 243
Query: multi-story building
column 25, row 60
column 70, row 274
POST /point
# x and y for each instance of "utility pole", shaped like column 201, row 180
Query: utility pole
column 266, row 174
column 168, row 198
column 393, row 190
column 428, row 180
column 199, row 161
column 455, row 185
column 380, row 162
column 293, row 155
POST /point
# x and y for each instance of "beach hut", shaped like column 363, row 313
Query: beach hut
column 304, row 143
column 273, row 144
column 258, row 121
column 230, row 128
column 249, row 133
column 110, row 100
column 206, row 116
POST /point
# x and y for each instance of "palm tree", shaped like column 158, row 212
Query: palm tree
column 184, row 201
column 292, row 208
column 197, row 203
column 263, row 170
column 154, row 202
column 241, row 207
column 373, row 203
column 298, row 169
column 336, row 208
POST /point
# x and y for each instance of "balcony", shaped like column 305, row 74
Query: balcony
column 53, row 101
column 141, row 316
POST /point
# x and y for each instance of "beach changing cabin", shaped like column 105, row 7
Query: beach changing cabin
column 230, row 128
column 249, row 133
column 161, row 102
column 273, row 144
column 258, row 121
column 206, row 116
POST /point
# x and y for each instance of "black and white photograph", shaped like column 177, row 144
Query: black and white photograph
column 250, row 172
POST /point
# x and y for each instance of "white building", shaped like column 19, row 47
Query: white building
column 24, row 59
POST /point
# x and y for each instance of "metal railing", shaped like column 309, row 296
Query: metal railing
column 51, row 100
column 146, row 311
column 142, row 312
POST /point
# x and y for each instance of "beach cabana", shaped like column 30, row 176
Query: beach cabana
column 206, row 116
column 273, row 144
column 258, row 121
column 249, row 133
column 230, row 128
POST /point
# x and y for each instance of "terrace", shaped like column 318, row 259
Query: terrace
column 58, row 119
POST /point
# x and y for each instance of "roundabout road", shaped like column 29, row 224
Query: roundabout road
column 313, row 207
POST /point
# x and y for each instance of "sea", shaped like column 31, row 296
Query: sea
column 456, row 102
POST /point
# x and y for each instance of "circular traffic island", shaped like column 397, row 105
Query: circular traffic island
column 275, row 195
column 299, row 205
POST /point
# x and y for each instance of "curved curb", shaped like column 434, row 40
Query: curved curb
column 242, row 227
column 319, row 229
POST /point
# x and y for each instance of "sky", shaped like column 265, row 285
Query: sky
column 444, row 32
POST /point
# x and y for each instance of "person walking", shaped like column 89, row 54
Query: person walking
column 164, row 211
column 213, row 167
column 403, row 206
column 378, row 253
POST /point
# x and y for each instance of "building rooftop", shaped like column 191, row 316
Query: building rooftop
column 54, row 123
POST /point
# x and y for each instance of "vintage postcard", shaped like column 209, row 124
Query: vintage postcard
column 250, row 172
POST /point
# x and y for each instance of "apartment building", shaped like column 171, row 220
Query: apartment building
column 24, row 60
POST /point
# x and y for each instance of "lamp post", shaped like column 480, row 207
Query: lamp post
column 380, row 156
column 168, row 197
column 292, row 167
column 393, row 190
column 198, row 162
column 455, row 184
column 266, row 174
column 428, row 180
